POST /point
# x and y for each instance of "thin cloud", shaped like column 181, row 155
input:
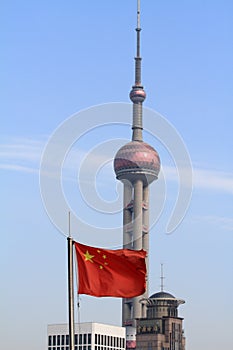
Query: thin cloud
column 222, row 222
column 203, row 178
column 24, row 155
column 21, row 154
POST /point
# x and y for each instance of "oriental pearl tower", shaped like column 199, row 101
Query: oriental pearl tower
column 137, row 165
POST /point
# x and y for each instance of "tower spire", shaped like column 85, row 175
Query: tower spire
column 137, row 94
column 138, row 58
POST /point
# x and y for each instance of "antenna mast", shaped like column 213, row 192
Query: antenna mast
column 162, row 278
column 137, row 94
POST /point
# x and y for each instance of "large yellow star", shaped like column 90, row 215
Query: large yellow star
column 88, row 256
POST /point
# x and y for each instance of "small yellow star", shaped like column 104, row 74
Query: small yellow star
column 88, row 256
column 98, row 251
column 101, row 267
column 104, row 256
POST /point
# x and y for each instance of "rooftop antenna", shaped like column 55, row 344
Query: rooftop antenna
column 162, row 278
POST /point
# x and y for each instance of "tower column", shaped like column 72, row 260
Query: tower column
column 137, row 214
column 145, row 241
column 137, row 236
column 127, row 241
column 137, row 122
column 127, row 215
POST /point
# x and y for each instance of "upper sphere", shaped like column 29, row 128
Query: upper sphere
column 137, row 160
column 137, row 94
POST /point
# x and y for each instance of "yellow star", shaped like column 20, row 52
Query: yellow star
column 104, row 257
column 98, row 251
column 88, row 256
column 101, row 267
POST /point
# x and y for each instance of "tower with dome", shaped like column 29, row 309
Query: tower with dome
column 137, row 165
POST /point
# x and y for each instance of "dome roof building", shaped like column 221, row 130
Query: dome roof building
column 162, row 328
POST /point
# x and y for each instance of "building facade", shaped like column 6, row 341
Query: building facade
column 88, row 336
column 162, row 329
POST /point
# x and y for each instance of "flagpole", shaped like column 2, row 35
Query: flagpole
column 70, row 289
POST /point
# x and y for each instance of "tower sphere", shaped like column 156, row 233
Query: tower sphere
column 137, row 160
column 137, row 94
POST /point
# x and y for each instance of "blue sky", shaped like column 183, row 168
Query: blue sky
column 59, row 58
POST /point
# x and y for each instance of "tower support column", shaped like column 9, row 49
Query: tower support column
column 145, row 240
column 127, row 215
column 137, row 214
column 137, row 236
column 127, row 241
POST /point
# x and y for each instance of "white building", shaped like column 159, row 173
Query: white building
column 88, row 336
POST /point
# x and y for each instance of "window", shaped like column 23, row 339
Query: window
column 54, row 339
column 58, row 340
column 62, row 340
column 50, row 340
column 84, row 338
column 67, row 340
column 96, row 339
column 89, row 338
column 76, row 339
column 80, row 339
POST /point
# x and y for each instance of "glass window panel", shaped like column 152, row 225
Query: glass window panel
column 58, row 340
column 84, row 338
column 80, row 339
column 54, row 339
column 62, row 340
column 76, row 339
column 50, row 340
column 89, row 338
column 67, row 340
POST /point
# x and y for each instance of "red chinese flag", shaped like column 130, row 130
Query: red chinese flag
column 110, row 273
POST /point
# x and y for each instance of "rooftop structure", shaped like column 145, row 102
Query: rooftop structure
column 88, row 336
column 162, row 328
